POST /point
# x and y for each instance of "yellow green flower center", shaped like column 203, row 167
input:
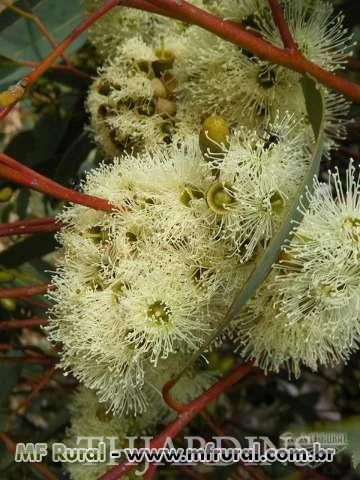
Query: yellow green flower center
column 220, row 198
column 352, row 226
column 159, row 311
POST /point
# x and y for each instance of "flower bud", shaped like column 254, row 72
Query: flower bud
column 220, row 198
column 165, row 107
column 214, row 135
column 159, row 88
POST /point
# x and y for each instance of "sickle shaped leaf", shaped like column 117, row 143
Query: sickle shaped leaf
column 21, row 39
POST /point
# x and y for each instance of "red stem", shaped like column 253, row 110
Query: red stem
column 14, row 171
column 231, row 31
column 193, row 408
column 168, row 399
column 19, row 292
column 5, row 111
column 36, row 389
column 283, row 27
column 23, row 227
column 151, row 472
column 26, row 323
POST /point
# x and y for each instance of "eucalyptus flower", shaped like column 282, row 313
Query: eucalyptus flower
column 308, row 311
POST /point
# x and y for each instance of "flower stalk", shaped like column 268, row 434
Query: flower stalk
column 192, row 409
column 19, row 292
column 283, row 27
column 181, row 10
column 26, row 323
column 14, row 171
column 24, row 227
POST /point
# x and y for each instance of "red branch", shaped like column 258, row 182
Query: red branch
column 151, row 472
column 283, row 27
column 23, row 227
column 26, row 323
column 169, row 400
column 233, row 32
column 37, row 388
column 19, row 292
column 14, row 171
column 5, row 111
column 193, row 408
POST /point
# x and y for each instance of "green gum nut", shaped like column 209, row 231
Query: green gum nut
column 214, row 135
column 159, row 88
column 220, row 198
column 166, row 108
column 165, row 61
column 5, row 194
column 97, row 234
column 104, row 87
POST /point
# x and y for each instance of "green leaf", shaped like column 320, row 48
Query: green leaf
column 8, row 17
column 38, row 146
column 32, row 247
column 8, row 67
column 315, row 104
column 21, row 39
column 73, row 157
column 22, row 203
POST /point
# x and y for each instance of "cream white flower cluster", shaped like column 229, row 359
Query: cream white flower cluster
column 210, row 146
column 308, row 311
column 145, row 282
column 199, row 74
